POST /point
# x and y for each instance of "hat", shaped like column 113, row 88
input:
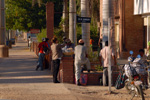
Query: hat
column 81, row 41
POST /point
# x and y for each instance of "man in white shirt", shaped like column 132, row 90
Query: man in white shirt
column 81, row 58
column 105, row 58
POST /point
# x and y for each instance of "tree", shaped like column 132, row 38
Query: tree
column 21, row 15
column 72, row 21
column 65, row 18
column 85, row 26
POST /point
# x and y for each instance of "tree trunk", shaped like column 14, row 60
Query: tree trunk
column 72, row 21
column 2, row 22
column 107, row 12
column 65, row 18
column 85, row 26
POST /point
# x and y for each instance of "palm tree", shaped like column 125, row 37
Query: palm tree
column 72, row 21
column 85, row 26
column 65, row 18
column 107, row 12
column 2, row 23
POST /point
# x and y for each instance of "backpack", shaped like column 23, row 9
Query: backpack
column 45, row 50
column 120, row 83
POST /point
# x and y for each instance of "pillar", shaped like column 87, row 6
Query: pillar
column 50, row 27
column 50, row 20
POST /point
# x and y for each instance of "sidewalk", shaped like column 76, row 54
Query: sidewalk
column 20, row 81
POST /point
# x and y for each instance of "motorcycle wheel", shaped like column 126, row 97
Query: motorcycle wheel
column 128, row 86
column 141, row 92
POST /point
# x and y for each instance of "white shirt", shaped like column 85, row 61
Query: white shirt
column 80, row 53
column 104, row 54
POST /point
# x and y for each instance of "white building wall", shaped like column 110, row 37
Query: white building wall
column 141, row 7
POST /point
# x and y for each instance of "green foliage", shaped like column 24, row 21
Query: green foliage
column 41, row 35
column 59, row 34
column 79, row 31
column 98, row 68
column 93, row 56
column 22, row 15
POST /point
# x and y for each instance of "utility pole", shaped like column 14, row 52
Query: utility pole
column 3, row 48
column 109, row 54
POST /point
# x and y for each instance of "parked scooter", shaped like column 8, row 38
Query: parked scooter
column 133, row 84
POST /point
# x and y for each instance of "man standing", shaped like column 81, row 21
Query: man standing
column 104, row 56
column 41, row 53
column 81, row 58
column 56, row 57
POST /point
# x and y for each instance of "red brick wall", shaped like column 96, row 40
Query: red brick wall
column 67, row 70
column 50, row 20
column 50, row 26
column 131, row 28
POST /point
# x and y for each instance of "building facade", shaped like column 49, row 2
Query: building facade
column 142, row 9
column 129, row 33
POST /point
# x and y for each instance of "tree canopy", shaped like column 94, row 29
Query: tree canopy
column 22, row 15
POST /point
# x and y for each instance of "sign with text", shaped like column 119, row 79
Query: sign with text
column 83, row 19
column 35, row 31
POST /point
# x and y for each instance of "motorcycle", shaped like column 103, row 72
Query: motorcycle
column 133, row 83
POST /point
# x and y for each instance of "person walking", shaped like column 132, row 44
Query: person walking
column 29, row 41
column 41, row 47
column 105, row 58
column 56, row 57
column 81, row 58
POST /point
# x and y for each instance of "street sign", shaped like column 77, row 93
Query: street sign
column 83, row 19
column 35, row 31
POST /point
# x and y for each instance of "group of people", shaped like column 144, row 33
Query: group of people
column 57, row 53
column 80, row 57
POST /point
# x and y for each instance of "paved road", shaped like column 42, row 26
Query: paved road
column 20, row 81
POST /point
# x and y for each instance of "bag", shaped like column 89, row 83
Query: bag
column 120, row 83
column 129, row 70
column 83, row 79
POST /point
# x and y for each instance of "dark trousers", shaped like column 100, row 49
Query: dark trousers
column 56, row 64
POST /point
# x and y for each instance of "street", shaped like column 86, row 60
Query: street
column 20, row 81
